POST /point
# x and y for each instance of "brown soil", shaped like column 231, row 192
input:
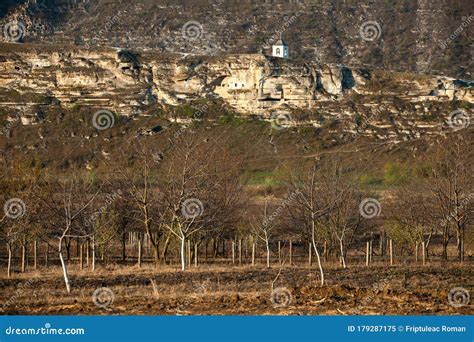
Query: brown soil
column 241, row 291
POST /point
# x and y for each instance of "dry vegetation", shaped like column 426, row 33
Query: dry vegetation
column 120, row 221
column 241, row 290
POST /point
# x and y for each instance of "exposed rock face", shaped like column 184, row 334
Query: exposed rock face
column 419, row 36
column 128, row 82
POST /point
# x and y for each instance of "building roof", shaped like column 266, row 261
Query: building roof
column 281, row 42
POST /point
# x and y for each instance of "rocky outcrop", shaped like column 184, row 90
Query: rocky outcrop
column 128, row 82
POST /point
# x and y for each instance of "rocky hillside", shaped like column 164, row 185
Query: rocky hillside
column 420, row 36
column 36, row 77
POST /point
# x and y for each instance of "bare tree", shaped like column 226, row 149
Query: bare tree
column 307, row 210
column 263, row 227
column 451, row 184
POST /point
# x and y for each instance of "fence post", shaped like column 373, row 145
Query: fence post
column 139, row 252
column 416, row 252
column 423, row 252
column 391, row 251
column 370, row 249
column 81, row 255
column 279, row 252
column 46, row 255
column 240, row 251
column 253, row 253
column 291, row 252
column 196, row 261
column 233, row 252
column 35, row 254
column 367, row 254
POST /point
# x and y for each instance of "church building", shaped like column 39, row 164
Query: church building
column 280, row 49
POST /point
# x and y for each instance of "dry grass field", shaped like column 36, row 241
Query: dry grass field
column 245, row 290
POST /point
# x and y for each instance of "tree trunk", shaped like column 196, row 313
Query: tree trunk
column 459, row 244
column 140, row 253
column 310, row 251
column 23, row 257
column 9, row 267
column 124, row 246
column 68, row 248
column 93, row 254
column 343, row 259
column 183, row 254
column 156, row 253
column 267, row 244
column 164, row 253
column 35, row 254
column 64, row 266
column 319, row 263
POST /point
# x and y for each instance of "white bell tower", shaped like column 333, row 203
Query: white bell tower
column 280, row 49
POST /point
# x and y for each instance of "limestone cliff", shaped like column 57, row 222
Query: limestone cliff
column 127, row 82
